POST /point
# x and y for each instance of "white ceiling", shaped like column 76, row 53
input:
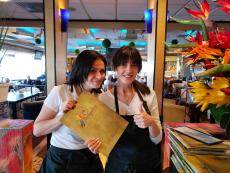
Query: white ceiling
column 108, row 10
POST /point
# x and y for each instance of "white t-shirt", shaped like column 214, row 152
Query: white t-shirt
column 134, row 106
column 63, row 137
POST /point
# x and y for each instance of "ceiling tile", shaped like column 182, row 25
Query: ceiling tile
column 104, row 11
column 177, row 2
column 76, row 11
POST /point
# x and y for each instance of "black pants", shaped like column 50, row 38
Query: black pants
column 60, row 160
column 122, row 166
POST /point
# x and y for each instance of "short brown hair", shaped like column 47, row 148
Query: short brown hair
column 125, row 54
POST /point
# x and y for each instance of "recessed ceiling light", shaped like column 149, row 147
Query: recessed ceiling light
column 5, row 0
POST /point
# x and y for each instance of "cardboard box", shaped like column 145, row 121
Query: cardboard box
column 16, row 146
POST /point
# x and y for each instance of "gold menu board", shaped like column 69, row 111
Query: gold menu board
column 92, row 118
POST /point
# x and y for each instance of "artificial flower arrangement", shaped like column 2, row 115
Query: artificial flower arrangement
column 213, row 50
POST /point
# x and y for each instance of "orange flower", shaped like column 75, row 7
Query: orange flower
column 203, row 13
column 202, row 52
column 226, row 58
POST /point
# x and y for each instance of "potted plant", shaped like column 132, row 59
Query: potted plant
column 212, row 48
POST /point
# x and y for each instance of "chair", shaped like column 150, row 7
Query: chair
column 40, row 98
column 31, row 110
column 171, row 93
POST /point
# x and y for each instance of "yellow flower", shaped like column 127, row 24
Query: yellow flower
column 210, row 94
column 220, row 82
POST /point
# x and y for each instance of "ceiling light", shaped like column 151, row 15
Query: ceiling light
column 5, row 0
column 64, row 19
column 148, row 20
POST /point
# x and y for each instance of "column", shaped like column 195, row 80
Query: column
column 158, row 83
column 55, row 43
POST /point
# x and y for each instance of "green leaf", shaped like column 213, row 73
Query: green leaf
column 185, row 45
column 218, row 112
column 222, row 115
column 228, row 130
column 225, row 120
column 215, row 70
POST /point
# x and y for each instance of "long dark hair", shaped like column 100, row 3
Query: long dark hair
column 82, row 67
column 123, row 56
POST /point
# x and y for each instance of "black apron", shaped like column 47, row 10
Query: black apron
column 134, row 152
column 60, row 160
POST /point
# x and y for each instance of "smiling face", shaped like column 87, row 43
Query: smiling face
column 96, row 75
column 127, row 62
column 127, row 73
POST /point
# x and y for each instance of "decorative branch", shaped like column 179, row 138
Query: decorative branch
column 222, row 68
column 199, row 22
column 185, row 45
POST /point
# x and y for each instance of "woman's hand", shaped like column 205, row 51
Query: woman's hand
column 143, row 119
column 93, row 144
column 68, row 105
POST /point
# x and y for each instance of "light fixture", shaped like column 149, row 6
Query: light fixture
column 148, row 20
column 64, row 20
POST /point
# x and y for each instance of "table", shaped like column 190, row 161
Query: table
column 15, row 97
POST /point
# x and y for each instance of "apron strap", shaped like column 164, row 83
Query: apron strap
column 141, row 98
column 139, row 95
column 116, row 99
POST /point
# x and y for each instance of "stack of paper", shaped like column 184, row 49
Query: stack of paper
column 190, row 155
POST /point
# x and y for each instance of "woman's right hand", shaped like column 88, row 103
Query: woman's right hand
column 93, row 144
column 68, row 105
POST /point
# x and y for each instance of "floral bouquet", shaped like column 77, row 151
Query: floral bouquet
column 212, row 49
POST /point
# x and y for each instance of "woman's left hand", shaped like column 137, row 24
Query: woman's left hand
column 143, row 119
column 93, row 144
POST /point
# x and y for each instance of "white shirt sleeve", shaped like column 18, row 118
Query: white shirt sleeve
column 53, row 101
column 156, row 139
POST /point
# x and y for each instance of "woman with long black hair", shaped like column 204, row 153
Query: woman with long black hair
column 68, row 153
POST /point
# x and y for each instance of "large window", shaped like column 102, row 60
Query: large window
column 18, row 63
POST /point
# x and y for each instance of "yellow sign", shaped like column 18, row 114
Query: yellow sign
column 92, row 118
